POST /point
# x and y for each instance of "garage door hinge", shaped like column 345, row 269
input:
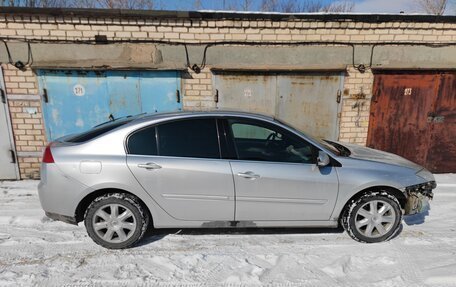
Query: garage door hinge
column 3, row 95
column 339, row 95
column 178, row 96
column 216, row 96
column 45, row 96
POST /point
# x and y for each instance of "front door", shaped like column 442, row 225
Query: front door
column 275, row 175
column 8, row 166
column 178, row 163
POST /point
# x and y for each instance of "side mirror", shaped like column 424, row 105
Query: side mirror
column 322, row 159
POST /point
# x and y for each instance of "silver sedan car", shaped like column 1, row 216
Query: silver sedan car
column 224, row 169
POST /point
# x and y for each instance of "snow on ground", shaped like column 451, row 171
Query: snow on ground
column 37, row 251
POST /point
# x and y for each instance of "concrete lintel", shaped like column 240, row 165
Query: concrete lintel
column 23, row 97
column 275, row 68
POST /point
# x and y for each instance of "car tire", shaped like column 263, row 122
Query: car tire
column 116, row 220
column 373, row 217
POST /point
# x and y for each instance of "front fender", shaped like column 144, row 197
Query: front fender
column 358, row 176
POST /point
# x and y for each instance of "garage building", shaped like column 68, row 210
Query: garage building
column 385, row 81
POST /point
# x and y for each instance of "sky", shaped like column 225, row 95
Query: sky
column 386, row 6
column 361, row 6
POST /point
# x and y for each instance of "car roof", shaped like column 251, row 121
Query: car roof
column 187, row 114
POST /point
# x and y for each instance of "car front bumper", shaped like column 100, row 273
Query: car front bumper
column 418, row 197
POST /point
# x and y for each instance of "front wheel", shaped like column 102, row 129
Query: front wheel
column 374, row 217
column 116, row 220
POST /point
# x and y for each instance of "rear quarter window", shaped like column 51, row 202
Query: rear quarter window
column 97, row 131
column 143, row 142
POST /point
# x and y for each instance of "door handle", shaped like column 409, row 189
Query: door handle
column 149, row 165
column 248, row 175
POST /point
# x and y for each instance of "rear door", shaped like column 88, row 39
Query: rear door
column 275, row 175
column 178, row 163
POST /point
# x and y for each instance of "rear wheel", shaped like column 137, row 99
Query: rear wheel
column 374, row 217
column 116, row 220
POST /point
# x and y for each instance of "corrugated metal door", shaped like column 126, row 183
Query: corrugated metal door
column 252, row 92
column 134, row 92
column 160, row 91
column 442, row 145
column 123, row 92
column 8, row 165
column 412, row 115
column 308, row 101
column 75, row 101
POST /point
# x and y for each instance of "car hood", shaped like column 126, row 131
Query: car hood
column 365, row 153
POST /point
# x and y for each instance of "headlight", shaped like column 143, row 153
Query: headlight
column 422, row 188
column 425, row 174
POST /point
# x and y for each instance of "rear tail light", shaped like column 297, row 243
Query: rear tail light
column 47, row 156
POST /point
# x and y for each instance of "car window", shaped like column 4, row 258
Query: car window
column 189, row 138
column 250, row 132
column 97, row 130
column 255, row 141
column 143, row 142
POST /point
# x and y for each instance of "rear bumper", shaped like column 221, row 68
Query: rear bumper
column 59, row 194
column 64, row 218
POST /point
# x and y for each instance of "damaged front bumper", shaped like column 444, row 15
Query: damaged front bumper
column 418, row 197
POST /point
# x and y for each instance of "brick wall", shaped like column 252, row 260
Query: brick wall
column 197, row 88
column 356, row 106
column 26, row 118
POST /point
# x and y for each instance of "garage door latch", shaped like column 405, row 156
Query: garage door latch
column 45, row 96
column 13, row 156
column 2, row 94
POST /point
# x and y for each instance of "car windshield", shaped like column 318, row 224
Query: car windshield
column 327, row 144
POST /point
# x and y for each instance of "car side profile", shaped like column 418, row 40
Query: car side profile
column 223, row 169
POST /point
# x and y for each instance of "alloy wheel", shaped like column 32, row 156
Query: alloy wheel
column 114, row 223
column 375, row 218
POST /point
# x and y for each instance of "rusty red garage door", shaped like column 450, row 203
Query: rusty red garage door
column 413, row 114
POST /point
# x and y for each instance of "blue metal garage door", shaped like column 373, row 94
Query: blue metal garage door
column 74, row 101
